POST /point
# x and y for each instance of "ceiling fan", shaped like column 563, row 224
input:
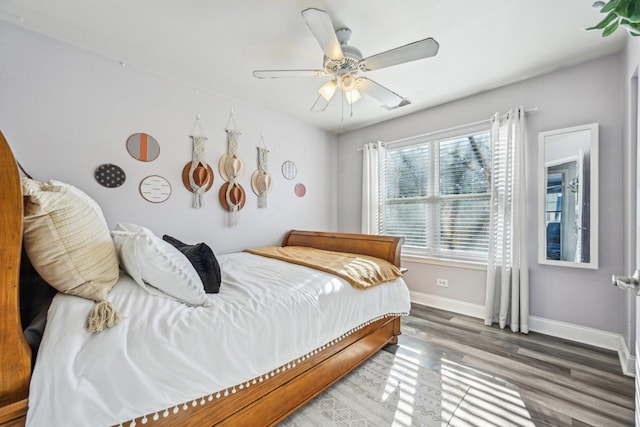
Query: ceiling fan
column 343, row 63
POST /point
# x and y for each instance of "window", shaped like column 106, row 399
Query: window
column 436, row 193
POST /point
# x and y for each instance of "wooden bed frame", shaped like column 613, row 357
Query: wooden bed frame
column 262, row 404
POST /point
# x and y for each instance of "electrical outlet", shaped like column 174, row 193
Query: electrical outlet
column 442, row 282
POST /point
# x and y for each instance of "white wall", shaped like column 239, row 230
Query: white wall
column 65, row 111
column 578, row 95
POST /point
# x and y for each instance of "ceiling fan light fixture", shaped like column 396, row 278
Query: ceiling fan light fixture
column 328, row 89
column 348, row 82
column 352, row 96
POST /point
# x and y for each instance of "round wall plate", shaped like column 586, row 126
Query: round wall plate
column 143, row 147
column 110, row 175
column 289, row 170
column 155, row 189
column 300, row 189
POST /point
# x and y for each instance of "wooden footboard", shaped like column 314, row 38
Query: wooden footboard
column 260, row 404
column 267, row 403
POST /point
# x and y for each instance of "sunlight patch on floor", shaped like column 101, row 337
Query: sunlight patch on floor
column 403, row 378
column 487, row 401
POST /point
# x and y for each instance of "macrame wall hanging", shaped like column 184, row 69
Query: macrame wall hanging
column 232, row 195
column 197, row 175
column 261, row 181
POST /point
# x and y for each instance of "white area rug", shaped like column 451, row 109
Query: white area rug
column 387, row 390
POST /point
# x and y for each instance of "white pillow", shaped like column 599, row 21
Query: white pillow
column 151, row 261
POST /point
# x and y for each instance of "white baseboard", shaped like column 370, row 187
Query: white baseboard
column 569, row 331
column 582, row 334
column 449, row 304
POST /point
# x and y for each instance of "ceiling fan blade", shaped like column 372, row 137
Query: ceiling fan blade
column 321, row 104
column 411, row 52
column 390, row 99
column 275, row 74
column 320, row 24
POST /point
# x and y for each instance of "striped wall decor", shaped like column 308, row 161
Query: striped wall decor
column 143, row 147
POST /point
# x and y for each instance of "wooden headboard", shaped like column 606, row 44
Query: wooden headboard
column 15, row 354
column 384, row 247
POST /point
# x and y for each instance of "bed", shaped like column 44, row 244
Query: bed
column 252, row 402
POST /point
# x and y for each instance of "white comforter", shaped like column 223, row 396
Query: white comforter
column 165, row 353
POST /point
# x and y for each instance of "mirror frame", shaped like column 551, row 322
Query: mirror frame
column 593, row 194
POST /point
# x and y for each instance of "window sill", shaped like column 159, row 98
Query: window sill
column 468, row 265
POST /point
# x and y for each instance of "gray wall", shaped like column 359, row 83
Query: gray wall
column 583, row 94
column 65, row 111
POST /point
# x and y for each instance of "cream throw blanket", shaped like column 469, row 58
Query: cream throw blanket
column 361, row 271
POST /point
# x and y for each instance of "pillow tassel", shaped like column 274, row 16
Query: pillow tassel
column 102, row 316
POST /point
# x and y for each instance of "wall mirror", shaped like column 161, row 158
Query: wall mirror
column 568, row 200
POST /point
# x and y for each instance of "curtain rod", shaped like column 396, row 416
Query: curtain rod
column 479, row 122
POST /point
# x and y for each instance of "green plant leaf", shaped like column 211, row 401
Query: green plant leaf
column 628, row 9
column 629, row 24
column 598, row 5
column 609, row 6
column 633, row 12
column 632, row 27
column 622, row 7
column 610, row 29
column 605, row 22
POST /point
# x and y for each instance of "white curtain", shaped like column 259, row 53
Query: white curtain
column 507, row 297
column 372, row 158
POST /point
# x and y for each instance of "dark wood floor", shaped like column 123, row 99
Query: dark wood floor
column 509, row 379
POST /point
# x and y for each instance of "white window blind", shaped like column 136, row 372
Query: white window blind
column 436, row 194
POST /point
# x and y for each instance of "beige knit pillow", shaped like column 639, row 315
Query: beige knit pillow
column 68, row 242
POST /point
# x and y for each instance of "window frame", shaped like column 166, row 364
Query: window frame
column 434, row 198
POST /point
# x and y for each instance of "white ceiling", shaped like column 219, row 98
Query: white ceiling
column 214, row 45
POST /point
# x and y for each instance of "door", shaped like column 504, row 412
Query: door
column 633, row 282
column 637, row 227
column 635, row 115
